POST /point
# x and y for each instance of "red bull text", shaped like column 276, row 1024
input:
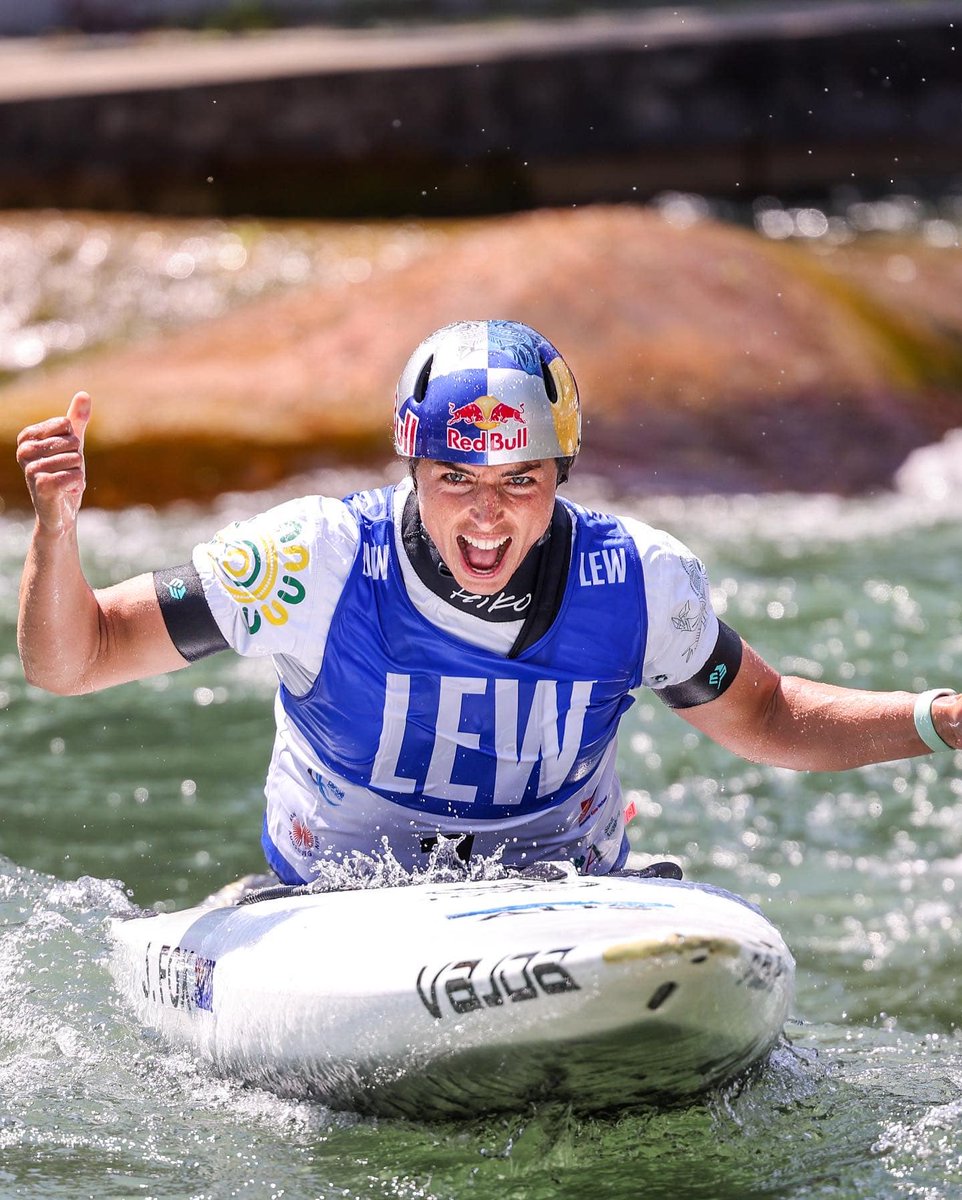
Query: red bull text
column 486, row 414
column 487, row 442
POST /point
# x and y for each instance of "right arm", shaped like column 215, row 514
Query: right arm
column 73, row 639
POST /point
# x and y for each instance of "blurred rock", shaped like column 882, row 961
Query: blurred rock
column 708, row 359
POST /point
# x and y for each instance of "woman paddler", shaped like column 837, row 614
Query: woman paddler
column 455, row 652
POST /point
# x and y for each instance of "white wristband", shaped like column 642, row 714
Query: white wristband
column 924, row 725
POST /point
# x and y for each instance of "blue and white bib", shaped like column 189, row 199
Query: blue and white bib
column 409, row 732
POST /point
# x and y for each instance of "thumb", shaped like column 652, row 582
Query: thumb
column 78, row 414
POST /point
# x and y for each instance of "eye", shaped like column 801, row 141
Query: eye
column 454, row 477
column 521, row 481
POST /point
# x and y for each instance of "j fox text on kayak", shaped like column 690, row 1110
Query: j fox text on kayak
column 178, row 978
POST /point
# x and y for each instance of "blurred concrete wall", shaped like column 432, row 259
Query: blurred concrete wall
column 39, row 16
column 499, row 118
column 19, row 17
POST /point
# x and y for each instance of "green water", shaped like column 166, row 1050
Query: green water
column 158, row 785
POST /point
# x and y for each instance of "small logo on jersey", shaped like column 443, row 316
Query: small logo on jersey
column 693, row 620
column 177, row 588
column 718, row 675
column 328, row 788
column 687, row 620
column 584, row 862
column 588, row 808
column 260, row 572
column 375, row 561
column 302, row 839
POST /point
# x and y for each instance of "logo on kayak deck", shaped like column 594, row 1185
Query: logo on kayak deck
column 178, row 978
column 460, row 987
column 487, row 415
column 763, row 972
column 562, row 906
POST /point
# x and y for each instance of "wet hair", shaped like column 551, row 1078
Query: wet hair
column 564, row 466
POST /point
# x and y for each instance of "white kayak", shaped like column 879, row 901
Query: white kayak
column 454, row 999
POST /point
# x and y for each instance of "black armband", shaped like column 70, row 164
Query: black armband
column 715, row 677
column 186, row 614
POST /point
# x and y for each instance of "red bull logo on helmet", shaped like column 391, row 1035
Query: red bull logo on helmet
column 487, row 414
column 406, row 433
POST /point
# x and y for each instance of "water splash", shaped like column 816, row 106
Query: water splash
column 836, row 220
column 443, row 865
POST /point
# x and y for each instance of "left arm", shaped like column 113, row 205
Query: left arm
column 786, row 721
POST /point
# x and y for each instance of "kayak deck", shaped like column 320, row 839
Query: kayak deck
column 453, row 999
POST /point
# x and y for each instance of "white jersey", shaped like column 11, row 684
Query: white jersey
column 275, row 584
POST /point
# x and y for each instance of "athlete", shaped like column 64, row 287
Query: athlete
column 454, row 653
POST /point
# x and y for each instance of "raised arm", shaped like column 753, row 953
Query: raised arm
column 791, row 722
column 73, row 639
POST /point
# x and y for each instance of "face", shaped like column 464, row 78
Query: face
column 484, row 520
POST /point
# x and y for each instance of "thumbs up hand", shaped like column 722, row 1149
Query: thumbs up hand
column 51, row 455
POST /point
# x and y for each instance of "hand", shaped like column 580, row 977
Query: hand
column 947, row 719
column 51, row 456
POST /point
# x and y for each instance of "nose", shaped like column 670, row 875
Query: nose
column 486, row 507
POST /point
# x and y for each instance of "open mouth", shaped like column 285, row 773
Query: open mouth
column 483, row 556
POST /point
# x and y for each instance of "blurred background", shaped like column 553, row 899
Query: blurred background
column 232, row 219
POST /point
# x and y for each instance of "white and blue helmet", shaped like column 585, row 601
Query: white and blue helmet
column 487, row 393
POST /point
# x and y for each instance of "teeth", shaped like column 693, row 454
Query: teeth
column 484, row 543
